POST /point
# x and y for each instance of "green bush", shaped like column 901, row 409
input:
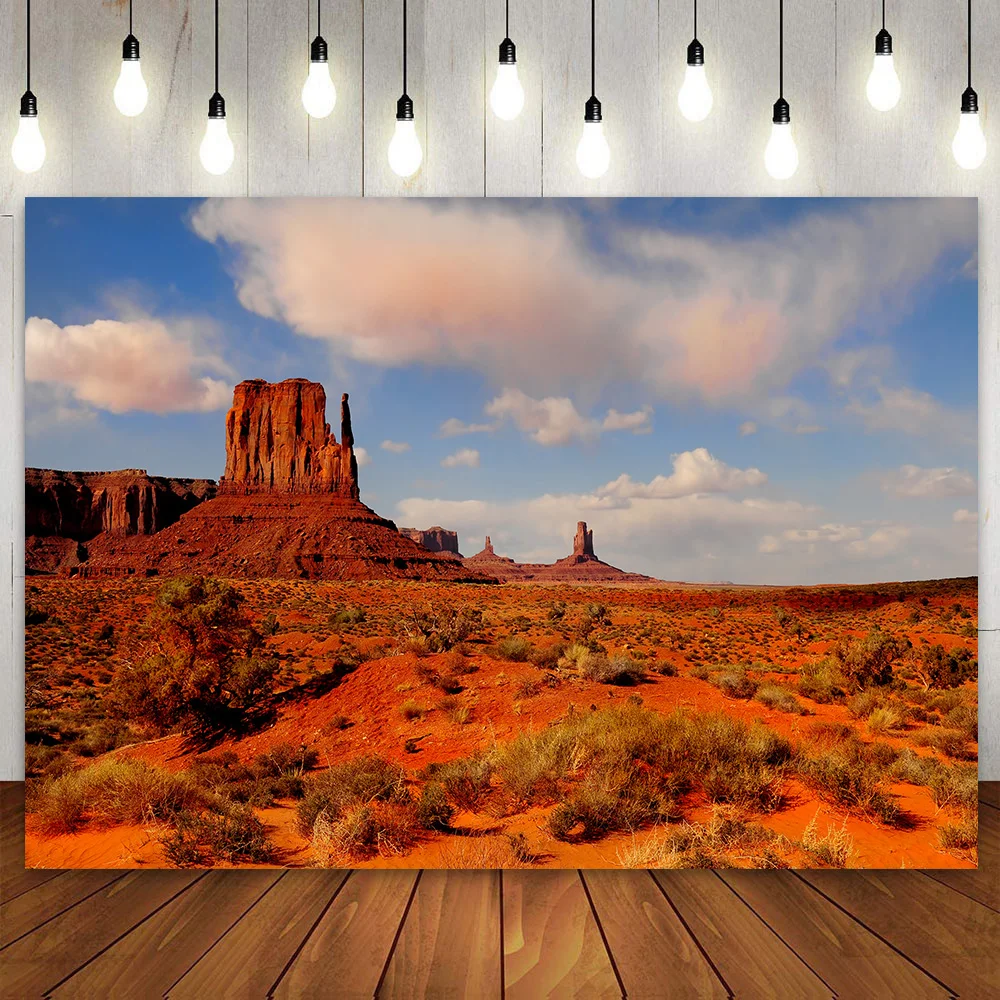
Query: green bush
column 618, row 669
column 822, row 681
column 515, row 648
column 780, row 698
column 434, row 811
column 867, row 661
column 735, row 684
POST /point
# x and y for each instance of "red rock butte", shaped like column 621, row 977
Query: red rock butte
column 286, row 506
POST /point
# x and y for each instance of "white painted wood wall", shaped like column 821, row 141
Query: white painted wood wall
column 846, row 148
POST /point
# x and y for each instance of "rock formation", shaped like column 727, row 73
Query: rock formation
column 287, row 506
column 580, row 567
column 69, row 508
column 278, row 441
column 583, row 543
column 437, row 539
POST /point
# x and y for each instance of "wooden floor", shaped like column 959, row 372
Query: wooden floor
column 525, row 934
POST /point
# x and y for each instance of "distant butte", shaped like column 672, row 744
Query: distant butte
column 580, row 567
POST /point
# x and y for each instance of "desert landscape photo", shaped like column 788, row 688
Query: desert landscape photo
column 479, row 534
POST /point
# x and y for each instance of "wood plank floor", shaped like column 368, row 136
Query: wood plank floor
column 515, row 934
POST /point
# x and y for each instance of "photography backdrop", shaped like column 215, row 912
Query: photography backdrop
column 845, row 147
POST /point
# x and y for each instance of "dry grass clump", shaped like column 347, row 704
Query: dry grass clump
column 500, row 851
column 951, row 742
column 834, row 848
column 780, row 698
column 822, row 681
column 960, row 836
column 853, row 774
column 361, row 808
column 515, row 648
column 724, row 842
column 116, row 791
column 736, row 683
column 235, row 835
column 411, row 710
column 618, row 669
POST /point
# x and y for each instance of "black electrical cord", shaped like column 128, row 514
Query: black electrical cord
column 593, row 88
column 404, row 46
column 216, row 46
column 781, row 48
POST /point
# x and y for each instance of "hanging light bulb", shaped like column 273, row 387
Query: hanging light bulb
column 216, row 150
column 28, row 149
column 131, row 92
column 507, row 94
column 695, row 97
column 319, row 95
column 781, row 158
column 883, row 84
column 593, row 155
column 405, row 154
column 969, row 145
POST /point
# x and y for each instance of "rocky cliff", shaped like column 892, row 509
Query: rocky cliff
column 80, row 505
column 437, row 539
column 583, row 543
column 278, row 441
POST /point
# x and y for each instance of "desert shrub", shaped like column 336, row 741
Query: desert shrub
column 34, row 615
column 547, row 657
column 700, row 672
column 950, row 742
column 573, row 655
column 108, row 734
column 455, row 662
column 955, row 784
column 868, row 660
column 116, row 791
column 434, row 811
column 206, row 671
column 411, row 710
column 362, row 830
column 441, row 627
column 363, row 780
column 724, row 841
column 664, row 668
column 735, row 684
column 834, row 848
column 886, row 719
column 852, row 774
column 963, row 835
column 235, row 835
column 618, row 669
column 821, row 680
column 515, row 648
column 964, row 718
column 45, row 762
column 780, row 698
column 347, row 615
column 466, row 780
column 527, row 687
column 940, row 669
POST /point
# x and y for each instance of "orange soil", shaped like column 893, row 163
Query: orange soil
column 370, row 698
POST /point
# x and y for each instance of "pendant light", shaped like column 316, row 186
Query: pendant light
column 131, row 92
column 216, row 149
column 695, row 97
column 781, row 158
column 593, row 153
column 507, row 95
column 883, row 84
column 319, row 95
column 405, row 154
column 969, row 144
column 28, row 149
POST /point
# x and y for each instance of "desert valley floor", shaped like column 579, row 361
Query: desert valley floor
column 478, row 745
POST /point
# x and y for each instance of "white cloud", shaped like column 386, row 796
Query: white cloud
column 555, row 420
column 396, row 447
column 747, row 428
column 914, row 481
column 467, row 457
column 963, row 516
column 638, row 422
column 808, row 429
column 912, row 411
column 362, row 456
column 694, row 472
column 138, row 364
column 690, row 315
column 453, row 427
column 882, row 541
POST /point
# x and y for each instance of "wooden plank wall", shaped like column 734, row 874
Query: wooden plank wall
column 845, row 147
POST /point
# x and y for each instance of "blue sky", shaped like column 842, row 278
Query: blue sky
column 774, row 391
